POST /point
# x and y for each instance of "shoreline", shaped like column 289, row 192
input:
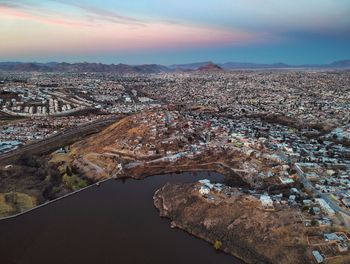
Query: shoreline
column 96, row 184
column 244, row 229
column 55, row 200
column 206, row 239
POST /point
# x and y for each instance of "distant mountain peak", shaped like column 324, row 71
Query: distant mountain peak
column 121, row 68
column 210, row 67
column 83, row 67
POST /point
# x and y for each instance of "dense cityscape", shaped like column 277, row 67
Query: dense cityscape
column 286, row 134
column 171, row 132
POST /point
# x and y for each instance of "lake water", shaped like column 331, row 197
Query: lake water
column 113, row 223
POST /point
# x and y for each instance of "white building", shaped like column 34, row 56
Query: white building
column 266, row 201
column 325, row 206
column 204, row 190
column 318, row 256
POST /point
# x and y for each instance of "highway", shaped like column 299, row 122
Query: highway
column 59, row 140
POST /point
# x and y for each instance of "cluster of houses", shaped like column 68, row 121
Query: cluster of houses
column 329, row 181
column 330, row 245
column 315, row 212
column 7, row 146
column 39, row 102
column 305, row 96
column 38, row 128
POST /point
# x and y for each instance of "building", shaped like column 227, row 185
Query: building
column 204, row 190
column 325, row 206
column 316, row 210
column 206, row 187
column 332, row 237
column 307, row 202
column 266, row 201
column 346, row 201
column 318, row 257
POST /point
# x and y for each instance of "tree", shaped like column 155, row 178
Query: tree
column 311, row 211
column 217, row 244
column 28, row 160
column 314, row 222
column 306, row 208
column 68, row 171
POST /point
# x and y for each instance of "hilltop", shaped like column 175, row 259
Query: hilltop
column 161, row 141
column 239, row 224
column 210, row 67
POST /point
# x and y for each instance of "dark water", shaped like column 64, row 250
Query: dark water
column 113, row 223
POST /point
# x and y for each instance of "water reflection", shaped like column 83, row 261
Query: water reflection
column 113, row 223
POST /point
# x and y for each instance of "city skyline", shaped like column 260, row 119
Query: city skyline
column 175, row 31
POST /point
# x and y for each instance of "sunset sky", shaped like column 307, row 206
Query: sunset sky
column 175, row 31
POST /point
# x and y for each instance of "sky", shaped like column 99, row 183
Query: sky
column 175, row 31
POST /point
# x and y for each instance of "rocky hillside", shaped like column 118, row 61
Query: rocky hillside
column 239, row 223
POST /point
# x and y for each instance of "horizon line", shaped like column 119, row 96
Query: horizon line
column 173, row 64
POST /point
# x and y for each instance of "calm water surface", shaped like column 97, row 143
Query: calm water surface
column 113, row 223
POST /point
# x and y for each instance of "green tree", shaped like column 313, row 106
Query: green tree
column 314, row 222
column 217, row 244
column 306, row 208
column 311, row 211
column 69, row 171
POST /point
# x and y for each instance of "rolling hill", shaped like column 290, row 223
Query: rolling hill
column 156, row 68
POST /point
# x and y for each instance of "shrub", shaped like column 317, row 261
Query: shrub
column 73, row 182
column 314, row 222
column 82, row 184
column 217, row 244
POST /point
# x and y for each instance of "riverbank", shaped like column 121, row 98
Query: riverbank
column 228, row 177
column 116, row 221
column 243, row 228
column 36, row 207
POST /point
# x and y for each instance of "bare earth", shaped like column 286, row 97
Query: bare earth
column 245, row 229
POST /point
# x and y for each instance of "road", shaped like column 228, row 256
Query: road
column 59, row 140
column 334, row 205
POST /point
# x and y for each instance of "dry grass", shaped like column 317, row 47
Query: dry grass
column 339, row 260
column 5, row 208
column 15, row 202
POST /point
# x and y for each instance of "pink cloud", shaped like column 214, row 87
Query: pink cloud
column 165, row 35
column 80, row 37
column 9, row 12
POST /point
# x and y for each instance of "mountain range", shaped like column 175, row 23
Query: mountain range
column 156, row 68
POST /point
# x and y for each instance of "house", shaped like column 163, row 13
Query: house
column 204, row 181
column 206, row 187
column 346, row 201
column 207, row 183
column 291, row 199
column 312, row 176
column 324, row 221
column 307, row 202
column 316, row 210
column 204, row 190
column 286, row 180
column 324, row 205
column 318, row 257
column 61, row 151
column 294, row 190
column 266, row 201
column 332, row 237
column 342, row 247
column 218, row 187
